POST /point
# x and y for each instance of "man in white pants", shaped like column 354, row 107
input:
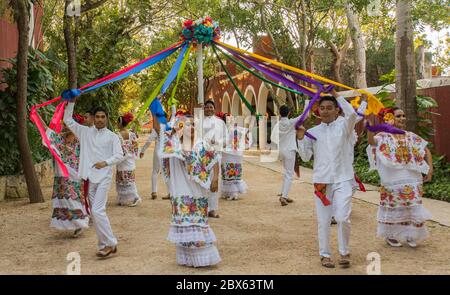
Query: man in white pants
column 214, row 130
column 156, row 161
column 288, row 150
column 100, row 149
column 333, row 172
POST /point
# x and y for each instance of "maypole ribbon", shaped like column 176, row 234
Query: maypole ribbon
column 247, row 104
column 172, row 99
column 156, row 106
column 261, row 77
column 374, row 105
column 55, row 123
column 278, row 77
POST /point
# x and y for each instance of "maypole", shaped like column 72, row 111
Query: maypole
column 200, row 95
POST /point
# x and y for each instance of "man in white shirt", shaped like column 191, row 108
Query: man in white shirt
column 100, row 149
column 214, row 131
column 333, row 172
column 288, row 149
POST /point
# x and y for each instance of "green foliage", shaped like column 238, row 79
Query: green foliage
column 40, row 89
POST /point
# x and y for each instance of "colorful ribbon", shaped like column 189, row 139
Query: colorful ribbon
column 55, row 122
column 374, row 105
column 247, row 104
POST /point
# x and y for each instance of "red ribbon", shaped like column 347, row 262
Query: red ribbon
column 34, row 117
column 55, row 122
column 360, row 184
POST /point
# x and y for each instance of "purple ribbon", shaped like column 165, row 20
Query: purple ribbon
column 384, row 127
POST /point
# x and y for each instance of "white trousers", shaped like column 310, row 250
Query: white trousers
column 98, row 196
column 155, row 170
column 288, row 160
column 340, row 196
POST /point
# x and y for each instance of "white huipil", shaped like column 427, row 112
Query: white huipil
column 287, row 146
column 68, row 201
column 214, row 130
column 97, row 145
column 126, row 171
column 189, row 174
column 156, row 160
column 400, row 162
column 231, row 166
column 333, row 166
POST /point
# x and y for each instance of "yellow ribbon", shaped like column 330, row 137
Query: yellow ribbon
column 373, row 104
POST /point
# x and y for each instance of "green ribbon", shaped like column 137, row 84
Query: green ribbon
column 172, row 100
column 259, row 75
column 150, row 98
column 247, row 104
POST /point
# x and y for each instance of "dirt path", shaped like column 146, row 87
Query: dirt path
column 255, row 236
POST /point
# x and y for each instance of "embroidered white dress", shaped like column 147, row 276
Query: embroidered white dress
column 68, row 201
column 189, row 177
column 125, row 174
column 232, row 157
column 400, row 162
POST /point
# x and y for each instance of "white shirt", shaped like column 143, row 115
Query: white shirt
column 214, row 129
column 333, row 149
column 285, row 129
column 96, row 145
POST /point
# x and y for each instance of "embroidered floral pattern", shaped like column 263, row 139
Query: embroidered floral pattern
column 64, row 188
column 70, row 152
column 401, row 195
column 125, row 177
column 199, row 163
column 188, row 210
column 407, row 150
column 68, row 214
column 231, row 171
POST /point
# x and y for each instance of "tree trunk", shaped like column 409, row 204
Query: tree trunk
column 339, row 57
column 405, row 67
column 302, row 32
column 34, row 189
column 420, row 55
column 70, row 48
column 358, row 46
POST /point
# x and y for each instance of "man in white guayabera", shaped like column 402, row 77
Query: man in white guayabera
column 100, row 150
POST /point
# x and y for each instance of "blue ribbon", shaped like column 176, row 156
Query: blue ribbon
column 174, row 71
column 135, row 70
column 70, row 94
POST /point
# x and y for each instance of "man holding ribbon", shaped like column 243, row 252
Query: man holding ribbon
column 100, row 149
column 333, row 172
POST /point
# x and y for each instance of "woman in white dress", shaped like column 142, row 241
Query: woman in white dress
column 127, row 193
column 188, row 167
column 401, row 160
column 237, row 141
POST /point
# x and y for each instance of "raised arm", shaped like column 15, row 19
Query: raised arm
column 76, row 128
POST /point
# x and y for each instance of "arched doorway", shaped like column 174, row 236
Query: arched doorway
column 226, row 104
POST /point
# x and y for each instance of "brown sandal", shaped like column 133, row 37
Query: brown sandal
column 327, row 262
column 344, row 262
column 283, row 202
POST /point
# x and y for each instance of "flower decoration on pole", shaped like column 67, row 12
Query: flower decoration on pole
column 202, row 31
